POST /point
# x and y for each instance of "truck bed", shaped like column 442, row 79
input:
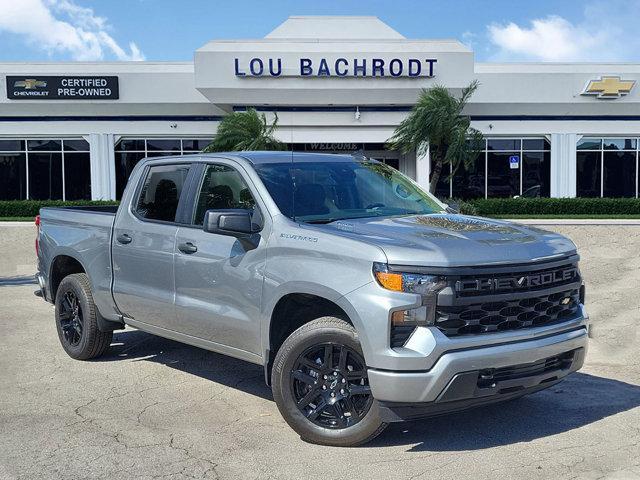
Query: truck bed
column 108, row 209
column 83, row 233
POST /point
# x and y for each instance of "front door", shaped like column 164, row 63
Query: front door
column 218, row 278
column 143, row 247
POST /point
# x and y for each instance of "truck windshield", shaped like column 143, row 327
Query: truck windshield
column 323, row 192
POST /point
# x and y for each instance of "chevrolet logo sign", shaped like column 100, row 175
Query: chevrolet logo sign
column 609, row 87
column 30, row 84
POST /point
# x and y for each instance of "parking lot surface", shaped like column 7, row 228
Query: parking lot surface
column 154, row 408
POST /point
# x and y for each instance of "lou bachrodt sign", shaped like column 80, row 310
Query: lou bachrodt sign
column 62, row 88
column 339, row 67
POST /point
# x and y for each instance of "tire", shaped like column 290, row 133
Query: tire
column 76, row 320
column 298, row 378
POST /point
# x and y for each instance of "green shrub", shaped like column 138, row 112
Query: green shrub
column 31, row 208
column 464, row 206
column 483, row 207
column 556, row 206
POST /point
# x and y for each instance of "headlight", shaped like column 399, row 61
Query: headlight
column 427, row 286
column 407, row 282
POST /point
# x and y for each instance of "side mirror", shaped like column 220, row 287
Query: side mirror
column 453, row 208
column 235, row 222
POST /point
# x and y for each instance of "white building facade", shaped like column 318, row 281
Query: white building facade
column 74, row 131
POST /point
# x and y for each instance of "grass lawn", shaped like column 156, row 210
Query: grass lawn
column 17, row 219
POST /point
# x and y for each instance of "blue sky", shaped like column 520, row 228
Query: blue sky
column 540, row 30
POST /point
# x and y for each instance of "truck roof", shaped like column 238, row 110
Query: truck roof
column 287, row 156
column 262, row 157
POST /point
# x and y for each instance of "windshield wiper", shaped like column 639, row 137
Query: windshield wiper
column 323, row 220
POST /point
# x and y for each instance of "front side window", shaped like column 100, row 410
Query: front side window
column 222, row 188
column 322, row 192
column 160, row 194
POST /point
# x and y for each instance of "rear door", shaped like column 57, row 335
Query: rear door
column 143, row 246
column 218, row 277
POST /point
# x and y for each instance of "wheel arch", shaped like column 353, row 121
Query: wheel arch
column 296, row 307
column 65, row 264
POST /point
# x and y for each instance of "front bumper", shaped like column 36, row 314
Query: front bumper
column 438, row 385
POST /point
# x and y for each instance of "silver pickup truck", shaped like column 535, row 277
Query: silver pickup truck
column 365, row 299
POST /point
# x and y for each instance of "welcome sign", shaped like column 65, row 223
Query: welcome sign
column 336, row 67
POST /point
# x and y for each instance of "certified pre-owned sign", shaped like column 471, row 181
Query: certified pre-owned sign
column 30, row 87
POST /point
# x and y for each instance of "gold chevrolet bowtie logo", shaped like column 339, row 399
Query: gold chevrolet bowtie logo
column 609, row 87
column 30, row 83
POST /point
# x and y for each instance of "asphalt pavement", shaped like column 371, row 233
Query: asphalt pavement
column 154, row 408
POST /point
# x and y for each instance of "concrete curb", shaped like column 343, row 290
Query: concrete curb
column 576, row 221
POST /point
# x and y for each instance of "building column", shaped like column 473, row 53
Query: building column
column 423, row 168
column 103, row 169
column 563, row 164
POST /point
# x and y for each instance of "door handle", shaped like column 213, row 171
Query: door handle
column 124, row 238
column 187, row 247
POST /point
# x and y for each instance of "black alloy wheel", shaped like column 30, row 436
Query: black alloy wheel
column 321, row 386
column 70, row 318
column 76, row 318
column 330, row 386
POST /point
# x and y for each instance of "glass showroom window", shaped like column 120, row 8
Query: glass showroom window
column 130, row 151
column 505, row 168
column 607, row 167
column 43, row 169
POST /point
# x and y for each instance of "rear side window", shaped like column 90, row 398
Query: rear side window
column 161, row 191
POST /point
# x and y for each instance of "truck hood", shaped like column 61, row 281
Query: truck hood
column 446, row 240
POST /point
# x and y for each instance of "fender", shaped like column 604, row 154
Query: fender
column 309, row 288
column 104, row 324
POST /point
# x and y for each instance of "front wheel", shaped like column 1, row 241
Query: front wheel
column 321, row 388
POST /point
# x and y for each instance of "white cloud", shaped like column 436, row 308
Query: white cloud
column 470, row 39
column 606, row 32
column 63, row 27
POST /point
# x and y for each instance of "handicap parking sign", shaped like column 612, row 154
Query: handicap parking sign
column 514, row 162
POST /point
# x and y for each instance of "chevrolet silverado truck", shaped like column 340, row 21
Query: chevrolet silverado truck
column 366, row 300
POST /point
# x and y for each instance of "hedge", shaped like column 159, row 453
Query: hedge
column 484, row 207
column 31, row 208
column 550, row 206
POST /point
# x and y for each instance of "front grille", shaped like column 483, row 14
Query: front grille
column 504, row 315
column 489, row 377
column 518, row 281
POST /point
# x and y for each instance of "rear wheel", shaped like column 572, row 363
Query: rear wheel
column 321, row 387
column 76, row 320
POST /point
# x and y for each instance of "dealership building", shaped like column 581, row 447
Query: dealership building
column 337, row 84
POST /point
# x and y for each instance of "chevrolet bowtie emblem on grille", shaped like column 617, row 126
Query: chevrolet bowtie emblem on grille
column 565, row 300
column 609, row 87
column 30, row 83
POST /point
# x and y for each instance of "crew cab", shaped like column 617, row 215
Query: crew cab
column 365, row 299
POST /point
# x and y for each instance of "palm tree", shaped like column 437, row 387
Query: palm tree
column 247, row 130
column 436, row 123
